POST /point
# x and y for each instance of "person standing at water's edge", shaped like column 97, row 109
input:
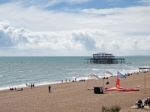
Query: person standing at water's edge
column 49, row 88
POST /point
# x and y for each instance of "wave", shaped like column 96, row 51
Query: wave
column 95, row 69
column 47, row 83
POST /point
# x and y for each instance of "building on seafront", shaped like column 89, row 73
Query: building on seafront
column 106, row 58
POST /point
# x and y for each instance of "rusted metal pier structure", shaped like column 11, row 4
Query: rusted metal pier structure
column 105, row 58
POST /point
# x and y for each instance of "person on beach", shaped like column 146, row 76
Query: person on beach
column 75, row 79
column 31, row 86
column 140, row 104
column 49, row 88
column 26, row 85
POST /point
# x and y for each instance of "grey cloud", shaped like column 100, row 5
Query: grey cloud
column 5, row 39
column 88, row 42
column 11, row 37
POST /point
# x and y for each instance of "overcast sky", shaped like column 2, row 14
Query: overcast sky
column 74, row 27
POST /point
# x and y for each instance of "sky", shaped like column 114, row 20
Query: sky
column 74, row 27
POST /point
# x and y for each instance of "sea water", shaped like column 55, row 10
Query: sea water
column 17, row 71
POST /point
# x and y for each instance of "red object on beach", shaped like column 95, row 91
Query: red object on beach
column 121, row 89
column 117, row 83
column 118, row 88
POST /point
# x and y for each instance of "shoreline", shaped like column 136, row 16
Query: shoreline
column 63, row 81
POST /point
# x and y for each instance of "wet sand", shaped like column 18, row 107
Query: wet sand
column 75, row 96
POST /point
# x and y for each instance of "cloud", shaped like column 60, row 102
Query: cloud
column 85, row 40
column 34, row 31
column 40, row 20
column 79, row 40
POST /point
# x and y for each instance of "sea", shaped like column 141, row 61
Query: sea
column 19, row 71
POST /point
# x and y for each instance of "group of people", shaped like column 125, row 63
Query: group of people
column 141, row 103
column 11, row 89
column 20, row 89
column 30, row 85
column 16, row 89
column 62, row 81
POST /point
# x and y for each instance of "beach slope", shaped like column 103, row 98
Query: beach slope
column 75, row 96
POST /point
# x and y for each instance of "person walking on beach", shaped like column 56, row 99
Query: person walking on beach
column 49, row 88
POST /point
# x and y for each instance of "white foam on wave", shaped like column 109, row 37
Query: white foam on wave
column 47, row 83
column 89, row 76
column 95, row 69
column 82, row 78
column 102, row 75
column 131, row 71
column 4, row 88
